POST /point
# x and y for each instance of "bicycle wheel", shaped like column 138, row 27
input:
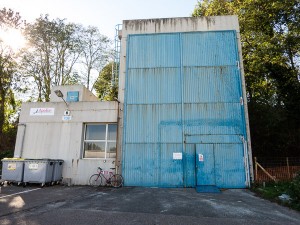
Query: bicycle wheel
column 95, row 180
column 116, row 180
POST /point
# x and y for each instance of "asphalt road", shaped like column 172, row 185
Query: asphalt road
column 134, row 205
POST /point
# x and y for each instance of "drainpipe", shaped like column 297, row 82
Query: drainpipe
column 22, row 139
column 117, row 163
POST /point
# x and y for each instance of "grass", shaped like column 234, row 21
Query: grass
column 272, row 191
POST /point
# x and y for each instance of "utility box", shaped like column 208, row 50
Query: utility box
column 12, row 169
column 57, row 171
column 38, row 171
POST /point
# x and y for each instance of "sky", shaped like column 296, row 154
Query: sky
column 104, row 14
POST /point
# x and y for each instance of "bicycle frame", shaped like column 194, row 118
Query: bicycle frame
column 107, row 180
column 115, row 180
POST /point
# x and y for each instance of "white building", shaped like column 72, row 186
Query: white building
column 82, row 132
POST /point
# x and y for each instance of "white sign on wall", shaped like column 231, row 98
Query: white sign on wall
column 177, row 155
column 201, row 158
column 42, row 111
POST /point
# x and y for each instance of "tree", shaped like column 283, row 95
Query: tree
column 105, row 86
column 96, row 52
column 270, row 40
column 10, row 18
column 54, row 48
column 8, row 67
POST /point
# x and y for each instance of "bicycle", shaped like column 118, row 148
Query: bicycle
column 98, row 179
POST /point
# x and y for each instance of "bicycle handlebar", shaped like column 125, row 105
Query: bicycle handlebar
column 99, row 168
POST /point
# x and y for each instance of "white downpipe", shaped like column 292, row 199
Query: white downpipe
column 246, row 162
column 22, row 139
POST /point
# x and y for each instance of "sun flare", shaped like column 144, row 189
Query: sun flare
column 12, row 38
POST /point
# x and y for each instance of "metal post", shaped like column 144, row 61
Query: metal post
column 288, row 167
column 255, row 162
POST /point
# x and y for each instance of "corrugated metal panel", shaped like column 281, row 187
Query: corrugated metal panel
column 212, row 109
column 151, row 123
column 184, row 85
column 206, row 167
column 153, row 51
column 212, row 84
column 213, row 118
column 189, row 165
column 209, row 49
column 213, row 138
column 153, row 165
column 153, row 111
column 171, row 170
column 229, row 166
column 221, row 165
column 142, row 165
column 148, row 86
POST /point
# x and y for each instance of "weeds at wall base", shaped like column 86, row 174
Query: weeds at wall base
column 276, row 191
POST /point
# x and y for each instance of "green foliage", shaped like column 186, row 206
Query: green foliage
column 57, row 49
column 295, row 189
column 8, row 77
column 6, row 154
column 52, row 53
column 270, row 41
column 10, row 18
column 106, row 89
column 95, row 53
column 272, row 191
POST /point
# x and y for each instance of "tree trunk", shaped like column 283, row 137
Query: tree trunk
column 2, row 111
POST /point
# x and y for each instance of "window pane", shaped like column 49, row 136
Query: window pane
column 94, row 149
column 111, row 149
column 95, row 132
column 112, row 132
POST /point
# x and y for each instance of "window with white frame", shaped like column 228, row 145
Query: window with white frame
column 100, row 141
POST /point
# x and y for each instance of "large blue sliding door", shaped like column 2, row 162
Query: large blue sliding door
column 182, row 90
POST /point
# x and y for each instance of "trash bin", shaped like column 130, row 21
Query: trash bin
column 57, row 171
column 38, row 171
column 12, row 170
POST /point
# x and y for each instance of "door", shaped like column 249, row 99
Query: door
column 189, row 165
column 221, row 165
column 205, row 164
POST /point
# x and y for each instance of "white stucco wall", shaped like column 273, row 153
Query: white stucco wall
column 48, row 136
column 84, row 94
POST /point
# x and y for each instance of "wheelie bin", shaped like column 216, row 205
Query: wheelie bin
column 57, row 171
column 38, row 171
column 12, row 170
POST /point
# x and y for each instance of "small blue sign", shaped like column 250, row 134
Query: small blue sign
column 72, row 96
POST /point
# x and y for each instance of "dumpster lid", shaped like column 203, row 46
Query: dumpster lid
column 9, row 159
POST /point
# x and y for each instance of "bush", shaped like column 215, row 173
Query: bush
column 6, row 154
column 272, row 191
column 295, row 190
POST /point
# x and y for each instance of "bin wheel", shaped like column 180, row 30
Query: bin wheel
column 1, row 183
column 9, row 183
column 24, row 184
column 19, row 183
column 42, row 185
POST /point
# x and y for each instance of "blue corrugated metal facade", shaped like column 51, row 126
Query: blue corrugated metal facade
column 183, row 95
